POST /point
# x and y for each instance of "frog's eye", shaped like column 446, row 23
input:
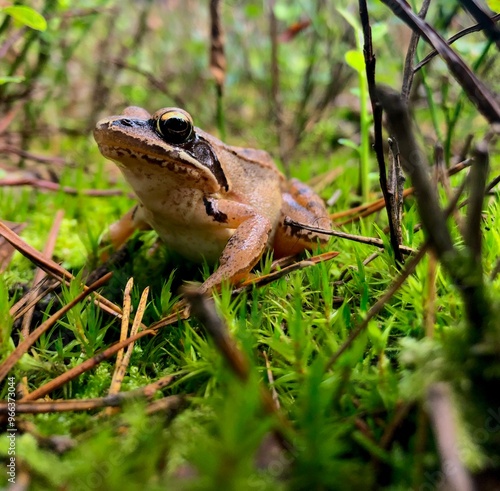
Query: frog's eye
column 175, row 126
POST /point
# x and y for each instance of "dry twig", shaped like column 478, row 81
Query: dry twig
column 370, row 63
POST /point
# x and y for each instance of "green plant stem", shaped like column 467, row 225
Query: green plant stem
column 432, row 107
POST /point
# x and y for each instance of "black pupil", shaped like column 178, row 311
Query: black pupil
column 178, row 125
column 176, row 128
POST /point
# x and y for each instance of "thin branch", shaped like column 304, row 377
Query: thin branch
column 395, row 189
column 408, row 71
column 203, row 309
column 483, row 18
column 477, row 92
column 218, row 60
column 370, row 62
column 54, row 186
column 455, row 37
column 465, row 273
column 276, row 106
column 414, row 164
column 112, row 400
column 33, row 156
column 373, row 241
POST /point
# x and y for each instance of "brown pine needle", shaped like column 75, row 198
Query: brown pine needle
column 371, row 207
column 84, row 366
column 33, row 296
column 273, row 276
column 180, row 311
column 40, row 274
column 6, row 249
column 125, row 320
column 113, row 400
column 26, row 344
column 122, row 361
column 53, row 269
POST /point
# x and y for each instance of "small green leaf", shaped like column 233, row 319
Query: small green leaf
column 349, row 143
column 27, row 16
column 356, row 60
column 6, row 80
column 377, row 337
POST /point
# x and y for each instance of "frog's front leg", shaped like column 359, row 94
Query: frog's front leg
column 302, row 204
column 246, row 245
column 121, row 230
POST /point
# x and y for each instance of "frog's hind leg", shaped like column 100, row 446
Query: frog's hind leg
column 302, row 204
column 121, row 230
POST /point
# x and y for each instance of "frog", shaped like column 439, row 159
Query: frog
column 207, row 201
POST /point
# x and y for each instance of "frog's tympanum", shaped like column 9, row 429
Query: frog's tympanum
column 206, row 199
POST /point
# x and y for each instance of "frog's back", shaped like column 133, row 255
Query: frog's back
column 255, row 180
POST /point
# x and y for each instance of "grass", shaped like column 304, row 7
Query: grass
column 359, row 423
column 338, row 416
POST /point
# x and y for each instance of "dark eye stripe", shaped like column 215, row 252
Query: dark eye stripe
column 202, row 151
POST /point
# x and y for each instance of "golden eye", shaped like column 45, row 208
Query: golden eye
column 175, row 126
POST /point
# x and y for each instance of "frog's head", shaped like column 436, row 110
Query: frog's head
column 165, row 146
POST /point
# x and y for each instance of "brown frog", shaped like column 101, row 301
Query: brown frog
column 205, row 199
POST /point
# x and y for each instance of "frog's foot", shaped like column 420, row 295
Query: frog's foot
column 303, row 205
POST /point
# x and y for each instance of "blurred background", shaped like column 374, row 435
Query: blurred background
column 287, row 85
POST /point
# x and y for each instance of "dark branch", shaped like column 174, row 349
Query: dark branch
column 476, row 91
column 370, row 62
